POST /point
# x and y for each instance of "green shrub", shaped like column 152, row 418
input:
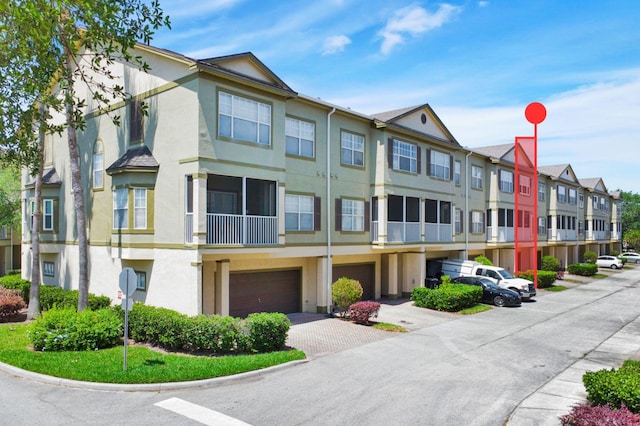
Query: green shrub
column 447, row 297
column 159, row 326
column 10, row 303
column 68, row 330
column 590, row 257
column 550, row 263
column 213, row 333
column 545, row 278
column 615, row 387
column 345, row 292
column 584, row 269
column 267, row 331
column 56, row 297
column 363, row 312
column 484, row 260
column 614, row 253
column 15, row 282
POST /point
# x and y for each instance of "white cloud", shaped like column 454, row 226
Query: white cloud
column 335, row 44
column 483, row 3
column 414, row 20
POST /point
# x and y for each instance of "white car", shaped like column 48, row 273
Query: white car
column 631, row 257
column 609, row 262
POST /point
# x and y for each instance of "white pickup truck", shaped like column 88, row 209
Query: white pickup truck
column 463, row 268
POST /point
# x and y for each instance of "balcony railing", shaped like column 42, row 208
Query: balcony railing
column 405, row 232
column 438, row 232
column 188, row 228
column 506, row 234
column 409, row 232
column 562, row 235
column 598, row 235
column 230, row 229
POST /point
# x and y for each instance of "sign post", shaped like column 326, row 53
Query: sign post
column 127, row 283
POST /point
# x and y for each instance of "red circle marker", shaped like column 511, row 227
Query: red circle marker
column 535, row 113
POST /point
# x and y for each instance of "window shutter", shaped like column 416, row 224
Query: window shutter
column 317, row 217
column 419, row 159
column 367, row 216
column 428, row 162
column 390, row 153
column 450, row 167
column 462, row 221
column 470, row 221
column 483, row 222
column 338, row 214
column 500, row 179
column 55, row 207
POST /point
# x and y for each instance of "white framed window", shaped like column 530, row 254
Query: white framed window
column 243, row 119
column 542, row 191
column 139, row 208
column 525, row 185
column 581, row 200
column 436, row 211
column 298, row 215
column 98, row 166
column 440, row 165
column 141, row 281
column 477, row 222
column 457, row 167
column 542, row 225
column 405, row 156
column 352, row 152
column 47, row 215
column 48, row 269
column 477, row 175
column 458, row 221
column 573, row 196
column 300, row 136
column 603, row 204
column 352, row 215
column 506, row 181
column 120, row 208
column 562, row 194
column 595, row 202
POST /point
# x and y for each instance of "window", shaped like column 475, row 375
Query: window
column 506, row 181
column 120, row 208
column 139, row 208
column 298, row 213
column 524, row 185
column 405, row 156
column 244, row 119
column 98, row 165
column 542, row 225
column 47, row 269
column 477, row 222
column 581, row 200
column 135, row 121
column 352, row 149
column 437, row 211
column 595, row 202
column 300, row 137
column 603, row 205
column 352, row 215
column 457, row 166
column 141, row 281
column 476, row 177
column 562, row 194
column 580, row 227
column 440, row 165
column 542, row 191
column 47, row 215
column 573, row 196
column 458, row 221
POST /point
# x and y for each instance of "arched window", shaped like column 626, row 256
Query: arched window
column 98, row 165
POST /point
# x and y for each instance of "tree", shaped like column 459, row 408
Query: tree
column 633, row 238
column 10, row 195
column 630, row 217
column 78, row 41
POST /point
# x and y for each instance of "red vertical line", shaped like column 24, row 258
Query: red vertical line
column 516, row 192
column 535, row 204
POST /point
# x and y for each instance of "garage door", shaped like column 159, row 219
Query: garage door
column 363, row 272
column 265, row 291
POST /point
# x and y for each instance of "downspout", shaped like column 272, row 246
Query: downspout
column 328, row 203
column 466, row 206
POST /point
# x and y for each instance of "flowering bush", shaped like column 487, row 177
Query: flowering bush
column 363, row 312
column 599, row 415
column 10, row 302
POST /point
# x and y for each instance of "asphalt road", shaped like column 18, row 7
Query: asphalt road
column 473, row 370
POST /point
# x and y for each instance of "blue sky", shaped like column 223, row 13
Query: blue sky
column 477, row 63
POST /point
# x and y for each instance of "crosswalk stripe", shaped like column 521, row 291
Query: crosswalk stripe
column 199, row 413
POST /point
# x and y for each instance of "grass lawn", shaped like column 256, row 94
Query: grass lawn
column 599, row 276
column 556, row 288
column 475, row 309
column 143, row 364
column 385, row 326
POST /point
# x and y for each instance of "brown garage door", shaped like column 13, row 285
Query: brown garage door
column 363, row 272
column 265, row 291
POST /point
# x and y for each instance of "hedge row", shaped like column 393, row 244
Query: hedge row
column 545, row 278
column 51, row 297
column 584, row 269
column 447, row 297
column 260, row 332
column 613, row 387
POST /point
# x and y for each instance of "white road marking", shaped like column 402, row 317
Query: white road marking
column 199, row 413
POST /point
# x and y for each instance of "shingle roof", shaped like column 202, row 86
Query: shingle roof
column 590, row 182
column 390, row 115
column 139, row 158
column 553, row 171
column 494, row 151
column 49, row 178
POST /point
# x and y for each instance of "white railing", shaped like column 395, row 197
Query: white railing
column 505, row 234
column 403, row 232
column 562, row 235
column 615, row 235
column 438, row 232
column 188, row 228
column 597, row 235
column 231, row 229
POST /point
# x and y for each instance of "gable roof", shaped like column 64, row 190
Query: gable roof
column 594, row 184
column 50, row 177
column 560, row 171
column 246, row 67
column 135, row 159
column 495, row 152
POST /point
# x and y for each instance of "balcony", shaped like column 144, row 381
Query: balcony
column 598, row 235
column 409, row 232
column 230, row 229
column 438, row 232
column 506, row 234
column 562, row 235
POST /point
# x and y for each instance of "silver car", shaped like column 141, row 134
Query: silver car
column 609, row 262
column 631, row 257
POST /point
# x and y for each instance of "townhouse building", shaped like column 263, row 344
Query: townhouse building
column 236, row 194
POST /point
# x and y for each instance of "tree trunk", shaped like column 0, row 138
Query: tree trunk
column 34, row 293
column 78, row 196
